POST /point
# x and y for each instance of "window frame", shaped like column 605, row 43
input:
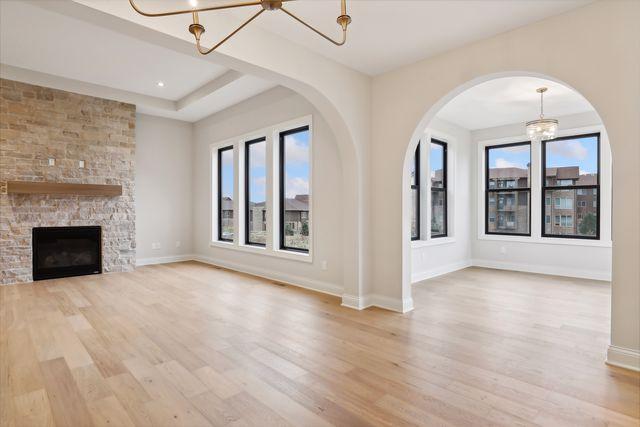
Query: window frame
column 281, row 189
column 416, row 187
column 496, row 189
column 247, row 191
column 544, row 187
column 444, row 189
column 220, row 151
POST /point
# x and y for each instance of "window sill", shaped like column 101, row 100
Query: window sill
column 547, row 240
column 258, row 250
column 432, row 242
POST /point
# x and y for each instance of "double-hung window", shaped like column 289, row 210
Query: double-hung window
column 438, row 174
column 294, row 175
column 507, row 189
column 571, row 178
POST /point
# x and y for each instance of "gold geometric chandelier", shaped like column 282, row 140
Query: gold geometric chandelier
column 197, row 29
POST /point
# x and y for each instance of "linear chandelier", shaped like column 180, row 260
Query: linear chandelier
column 197, row 29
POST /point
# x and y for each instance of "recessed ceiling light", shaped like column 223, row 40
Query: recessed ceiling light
column 193, row 3
column 161, row 84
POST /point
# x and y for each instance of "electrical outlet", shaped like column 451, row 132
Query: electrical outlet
column 324, row 265
column 178, row 243
column 81, row 164
column 52, row 162
column 156, row 245
column 503, row 250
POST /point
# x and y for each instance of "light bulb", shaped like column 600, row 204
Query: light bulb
column 193, row 3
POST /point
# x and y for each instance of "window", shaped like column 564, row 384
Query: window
column 414, row 182
column 571, row 171
column 507, row 189
column 294, row 189
column 225, row 194
column 438, row 174
column 255, row 184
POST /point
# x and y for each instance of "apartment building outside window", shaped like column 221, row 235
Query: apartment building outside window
column 507, row 189
column 571, row 179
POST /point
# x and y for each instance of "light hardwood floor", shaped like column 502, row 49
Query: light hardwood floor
column 188, row 344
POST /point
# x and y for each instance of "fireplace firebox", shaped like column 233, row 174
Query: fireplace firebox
column 66, row 251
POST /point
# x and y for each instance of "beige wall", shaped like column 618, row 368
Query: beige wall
column 163, row 188
column 594, row 49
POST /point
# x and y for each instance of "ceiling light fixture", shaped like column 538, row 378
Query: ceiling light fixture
column 160, row 84
column 197, row 29
column 542, row 129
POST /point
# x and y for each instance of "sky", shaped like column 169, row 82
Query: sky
column 582, row 152
column 296, row 170
column 436, row 153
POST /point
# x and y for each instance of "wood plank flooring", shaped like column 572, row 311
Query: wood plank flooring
column 188, row 344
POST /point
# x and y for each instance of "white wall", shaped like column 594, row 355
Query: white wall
column 567, row 257
column 270, row 108
column 163, row 194
column 432, row 257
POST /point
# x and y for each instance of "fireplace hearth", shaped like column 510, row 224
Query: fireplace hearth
column 66, row 251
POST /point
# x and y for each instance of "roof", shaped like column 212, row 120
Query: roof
column 508, row 173
column 299, row 203
column 564, row 172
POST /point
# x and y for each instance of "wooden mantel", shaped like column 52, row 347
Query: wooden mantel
column 30, row 187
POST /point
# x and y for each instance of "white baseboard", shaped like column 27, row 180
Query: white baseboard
column 380, row 301
column 301, row 282
column 623, row 357
column 543, row 269
column 435, row 272
column 164, row 259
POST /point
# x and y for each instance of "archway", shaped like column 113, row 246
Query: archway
column 573, row 126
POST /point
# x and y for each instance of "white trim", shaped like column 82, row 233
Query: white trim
column 544, row 269
column 439, row 271
column 547, row 240
column 623, row 358
column 415, row 244
column 380, row 301
column 301, row 282
column 259, row 250
column 164, row 259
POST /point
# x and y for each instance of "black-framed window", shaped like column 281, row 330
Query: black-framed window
column 294, row 175
column 508, row 189
column 226, row 228
column 438, row 174
column 571, row 186
column 414, row 182
column 255, row 192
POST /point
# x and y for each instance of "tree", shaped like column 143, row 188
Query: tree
column 288, row 230
column 305, row 229
column 588, row 225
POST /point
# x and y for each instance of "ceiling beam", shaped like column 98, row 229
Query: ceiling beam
column 208, row 88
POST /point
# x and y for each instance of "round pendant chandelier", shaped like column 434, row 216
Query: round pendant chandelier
column 542, row 129
column 197, row 29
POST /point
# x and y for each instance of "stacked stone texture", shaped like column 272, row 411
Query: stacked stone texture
column 38, row 123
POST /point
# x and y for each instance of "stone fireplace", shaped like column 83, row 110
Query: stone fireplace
column 48, row 135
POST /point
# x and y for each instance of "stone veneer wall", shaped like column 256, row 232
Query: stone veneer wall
column 38, row 123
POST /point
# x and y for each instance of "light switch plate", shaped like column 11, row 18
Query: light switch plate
column 52, row 162
column 81, row 164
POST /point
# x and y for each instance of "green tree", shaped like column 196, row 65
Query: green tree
column 305, row 229
column 588, row 225
column 288, row 230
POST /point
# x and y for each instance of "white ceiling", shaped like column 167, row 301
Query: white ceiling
column 511, row 100
column 65, row 47
column 386, row 34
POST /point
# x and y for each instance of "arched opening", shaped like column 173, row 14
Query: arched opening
column 477, row 192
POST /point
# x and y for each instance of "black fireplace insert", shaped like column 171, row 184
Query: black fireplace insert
column 66, row 251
